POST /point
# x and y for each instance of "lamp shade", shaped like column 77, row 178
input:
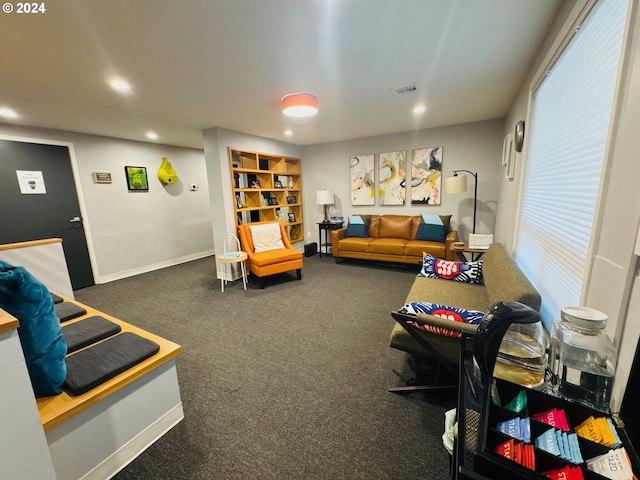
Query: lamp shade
column 455, row 184
column 299, row 105
column 324, row 197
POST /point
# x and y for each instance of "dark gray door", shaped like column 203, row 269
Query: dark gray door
column 54, row 214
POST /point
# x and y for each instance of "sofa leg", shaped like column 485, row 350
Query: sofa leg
column 299, row 273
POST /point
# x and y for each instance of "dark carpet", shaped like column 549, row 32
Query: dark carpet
column 289, row 382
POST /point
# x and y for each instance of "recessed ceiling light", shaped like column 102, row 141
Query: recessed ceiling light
column 121, row 86
column 288, row 133
column 152, row 135
column 8, row 113
column 419, row 109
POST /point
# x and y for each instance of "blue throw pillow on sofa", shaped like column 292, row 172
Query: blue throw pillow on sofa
column 44, row 348
column 432, row 232
column 357, row 230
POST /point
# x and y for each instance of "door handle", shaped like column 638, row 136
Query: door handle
column 75, row 220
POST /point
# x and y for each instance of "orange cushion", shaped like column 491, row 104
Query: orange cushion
column 279, row 255
column 395, row 226
column 391, row 246
column 355, row 244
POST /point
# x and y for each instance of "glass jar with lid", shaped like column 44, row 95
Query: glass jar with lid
column 582, row 358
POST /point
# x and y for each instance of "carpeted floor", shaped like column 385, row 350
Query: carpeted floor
column 289, row 382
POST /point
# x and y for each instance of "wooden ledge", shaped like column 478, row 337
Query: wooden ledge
column 7, row 322
column 57, row 409
column 33, row 243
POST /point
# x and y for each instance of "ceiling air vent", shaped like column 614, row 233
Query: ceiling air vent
column 407, row 89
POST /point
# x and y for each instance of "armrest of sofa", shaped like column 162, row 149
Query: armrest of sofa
column 452, row 236
column 337, row 235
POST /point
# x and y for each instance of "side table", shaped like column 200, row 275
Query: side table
column 476, row 253
column 326, row 227
column 229, row 258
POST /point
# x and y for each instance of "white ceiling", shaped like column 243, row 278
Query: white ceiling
column 197, row 64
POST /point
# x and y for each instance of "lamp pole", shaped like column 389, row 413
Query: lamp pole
column 475, row 194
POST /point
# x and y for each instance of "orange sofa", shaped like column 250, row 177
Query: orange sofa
column 391, row 239
column 270, row 262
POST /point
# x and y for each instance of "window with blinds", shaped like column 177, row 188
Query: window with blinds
column 568, row 129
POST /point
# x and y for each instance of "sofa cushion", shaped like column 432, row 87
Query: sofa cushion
column 355, row 244
column 357, row 230
column 417, row 248
column 266, row 237
column 395, row 226
column 469, row 272
column 454, row 314
column 390, row 246
column 262, row 259
column 432, row 232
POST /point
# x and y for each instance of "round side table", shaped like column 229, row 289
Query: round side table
column 228, row 259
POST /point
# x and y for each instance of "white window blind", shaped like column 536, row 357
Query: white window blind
column 568, row 130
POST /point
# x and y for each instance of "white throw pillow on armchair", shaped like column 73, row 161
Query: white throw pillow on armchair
column 266, row 237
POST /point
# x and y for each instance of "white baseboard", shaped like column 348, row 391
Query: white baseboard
column 150, row 268
column 130, row 451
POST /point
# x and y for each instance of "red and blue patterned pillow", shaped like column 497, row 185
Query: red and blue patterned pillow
column 469, row 272
column 455, row 314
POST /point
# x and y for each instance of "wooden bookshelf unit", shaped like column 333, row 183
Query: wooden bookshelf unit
column 267, row 187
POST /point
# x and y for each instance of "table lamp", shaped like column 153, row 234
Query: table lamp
column 324, row 197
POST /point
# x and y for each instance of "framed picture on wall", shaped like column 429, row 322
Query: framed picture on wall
column 137, row 178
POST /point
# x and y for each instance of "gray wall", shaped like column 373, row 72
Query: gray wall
column 473, row 146
column 133, row 232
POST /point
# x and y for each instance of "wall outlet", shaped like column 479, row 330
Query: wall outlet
column 193, row 187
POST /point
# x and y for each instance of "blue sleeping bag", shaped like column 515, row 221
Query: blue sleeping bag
column 28, row 300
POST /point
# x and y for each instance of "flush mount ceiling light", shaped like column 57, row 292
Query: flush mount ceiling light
column 8, row 113
column 120, row 85
column 299, row 105
column 152, row 135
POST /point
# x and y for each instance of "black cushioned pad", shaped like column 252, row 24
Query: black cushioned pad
column 87, row 331
column 56, row 298
column 68, row 310
column 94, row 365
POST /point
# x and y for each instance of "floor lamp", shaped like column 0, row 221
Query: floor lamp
column 458, row 184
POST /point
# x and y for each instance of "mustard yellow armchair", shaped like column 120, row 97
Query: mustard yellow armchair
column 277, row 258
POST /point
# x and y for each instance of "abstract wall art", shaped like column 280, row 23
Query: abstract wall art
column 392, row 174
column 426, row 176
column 362, row 179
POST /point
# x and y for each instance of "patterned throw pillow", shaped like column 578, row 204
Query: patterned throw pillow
column 266, row 237
column 473, row 317
column 468, row 272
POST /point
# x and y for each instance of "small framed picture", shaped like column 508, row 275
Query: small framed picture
column 292, row 217
column 273, row 201
column 137, row 178
column 255, row 184
column 277, row 184
column 238, row 201
column 292, row 199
